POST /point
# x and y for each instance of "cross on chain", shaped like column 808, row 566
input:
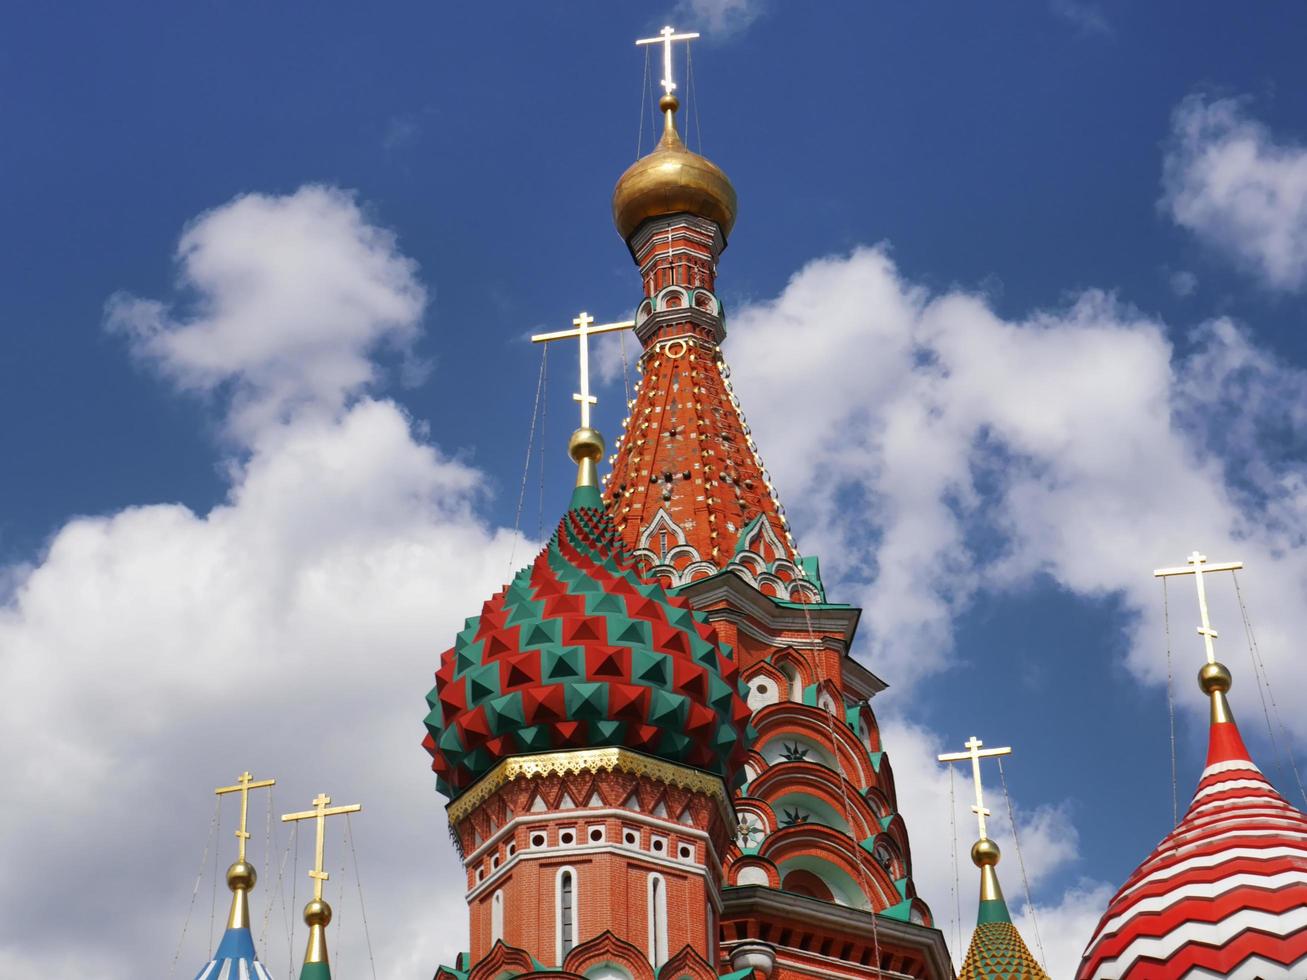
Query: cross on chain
column 1197, row 567
column 583, row 332
column 244, row 783
column 320, row 813
column 665, row 37
column 975, row 754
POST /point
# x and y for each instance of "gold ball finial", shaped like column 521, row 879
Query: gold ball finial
column 669, row 103
column 1214, row 677
column 317, row 913
column 586, row 443
column 985, row 853
column 241, row 875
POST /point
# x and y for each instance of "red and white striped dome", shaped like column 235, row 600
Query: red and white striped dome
column 1225, row 894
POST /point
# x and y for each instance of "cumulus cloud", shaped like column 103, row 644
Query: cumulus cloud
column 1073, row 441
column 291, row 630
column 1227, row 179
column 284, row 299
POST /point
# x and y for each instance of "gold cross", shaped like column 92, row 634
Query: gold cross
column 320, row 813
column 665, row 37
column 1196, row 567
column 244, row 783
column 583, row 332
column 974, row 753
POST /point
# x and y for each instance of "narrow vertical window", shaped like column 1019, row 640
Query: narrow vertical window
column 566, row 912
column 657, row 921
column 497, row 917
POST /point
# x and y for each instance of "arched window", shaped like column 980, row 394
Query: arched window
column 657, row 920
column 794, row 682
column 497, row 917
column 567, row 912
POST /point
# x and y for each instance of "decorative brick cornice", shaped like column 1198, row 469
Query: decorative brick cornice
column 587, row 760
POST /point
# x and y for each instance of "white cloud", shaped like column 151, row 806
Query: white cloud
column 1229, row 181
column 1057, row 934
column 717, row 19
column 288, row 298
column 293, row 629
column 1072, row 440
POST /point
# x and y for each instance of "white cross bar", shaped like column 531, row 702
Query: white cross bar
column 583, row 332
column 665, row 37
column 975, row 754
column 1197, row 567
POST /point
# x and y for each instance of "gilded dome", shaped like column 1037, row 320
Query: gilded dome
column 671, row 180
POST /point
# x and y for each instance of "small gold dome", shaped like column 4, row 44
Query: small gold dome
column 670, row 180
column 1214, row 677
column 586, row 444
column 984, row 852
column 241, row 875
column 317, row 913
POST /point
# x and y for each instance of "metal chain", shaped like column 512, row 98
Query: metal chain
column 349, row 830
column 693, row 99
column 644, row 98
column 213, row 903
column 1264, row 681
column 280, row 890
column 294, row 894
column 957, row 878
column 526, row 464
column 1021, row 861
column 267, row 857
column 1170, row 701
column 544, row 415
column 199, row 875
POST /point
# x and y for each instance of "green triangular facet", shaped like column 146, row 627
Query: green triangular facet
column 561, row 665
column 586, row 700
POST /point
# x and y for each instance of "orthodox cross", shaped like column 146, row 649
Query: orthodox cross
column 1197, row 567
column 583, row 332
column 665, row 37
column 244, row 783
column 320, row 813
column 975, row 754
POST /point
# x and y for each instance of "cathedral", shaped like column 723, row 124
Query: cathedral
column 661, row 760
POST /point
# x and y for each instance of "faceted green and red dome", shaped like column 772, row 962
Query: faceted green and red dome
column 579, row 651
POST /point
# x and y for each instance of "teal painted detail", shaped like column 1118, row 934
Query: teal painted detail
column 585, row 498
column 994, row 910
column 875, row 760
column 736, row 975
column 902, row 911
column 812, row 572
column 315, row 971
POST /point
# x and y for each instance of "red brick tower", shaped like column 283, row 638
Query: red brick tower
column 588, row 728
column 819, row 877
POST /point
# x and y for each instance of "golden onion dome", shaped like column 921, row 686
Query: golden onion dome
column 671, row 180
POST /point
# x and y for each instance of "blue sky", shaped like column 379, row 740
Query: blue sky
column 938, row 205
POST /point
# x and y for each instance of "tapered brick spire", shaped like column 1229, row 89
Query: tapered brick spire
column 688, row 491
